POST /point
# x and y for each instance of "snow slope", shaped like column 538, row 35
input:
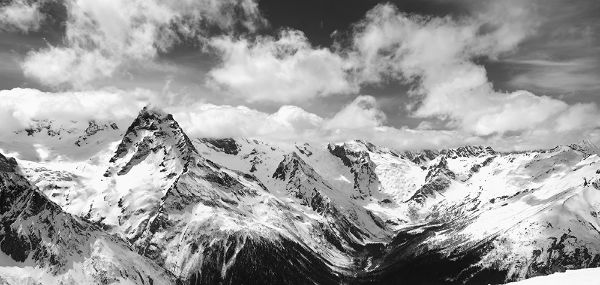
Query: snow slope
column 589, row 276
column 42, row 244
column 523, row 214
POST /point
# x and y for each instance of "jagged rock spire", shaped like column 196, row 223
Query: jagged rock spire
column 152, row 131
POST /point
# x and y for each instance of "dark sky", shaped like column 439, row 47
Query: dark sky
column 319, row 19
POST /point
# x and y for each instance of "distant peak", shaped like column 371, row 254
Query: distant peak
column 469, row 150
column 290, row 164
column 586, row 146
column 47, row 127
column 358, row 145
column 419, row 157
column 353, row 146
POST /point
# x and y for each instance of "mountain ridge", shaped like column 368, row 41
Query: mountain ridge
column 205, row 209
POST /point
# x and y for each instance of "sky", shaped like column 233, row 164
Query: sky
column 407, row 74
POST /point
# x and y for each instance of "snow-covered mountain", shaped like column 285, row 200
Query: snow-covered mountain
column 237, row 210
column 41, row 244
column 47, row 140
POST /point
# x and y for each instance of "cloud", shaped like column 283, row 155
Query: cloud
column 363, row 112
column 282, row 69
column 56, row 66
column 562, row 57
column 209, row 120
column 104, row 36
column 565, row 77
column 360, row 119
column 578, row 117
column 390, row 43
column 20, row 16
column 296, row 118
column 19, row 106
column 438, row 56
column 288, row 123
column 292, row 123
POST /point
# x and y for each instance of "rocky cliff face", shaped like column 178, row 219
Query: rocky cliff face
column 355, row 156
column 437, row 180
column 302, row 183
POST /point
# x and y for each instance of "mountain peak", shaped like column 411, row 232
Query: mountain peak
column 357, row 146
column 587, row 147
column 150, row 118
column 469, row 151
column 288, row 167
column 151, row 131
column 355, row 156
column 438, row 179
column 422, row 156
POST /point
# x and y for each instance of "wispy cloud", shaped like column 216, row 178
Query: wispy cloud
column 562, row 57
column 562, row 77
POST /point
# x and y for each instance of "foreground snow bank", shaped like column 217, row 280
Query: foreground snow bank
column 588, row 276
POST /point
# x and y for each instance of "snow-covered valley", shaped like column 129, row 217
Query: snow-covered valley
column 143, row 203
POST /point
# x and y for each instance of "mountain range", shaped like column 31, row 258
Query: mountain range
column 104, row 203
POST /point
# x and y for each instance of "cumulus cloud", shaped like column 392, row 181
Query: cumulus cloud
column 363, row 112
column 287, row 123
column 291, row 123
column 296, row 118
column 282, row 69
column 437, row 56
column 360, row 119
column 102, row 36
column 21, row 16
column 56, row 66
column 19, row 107
column 209, row 120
